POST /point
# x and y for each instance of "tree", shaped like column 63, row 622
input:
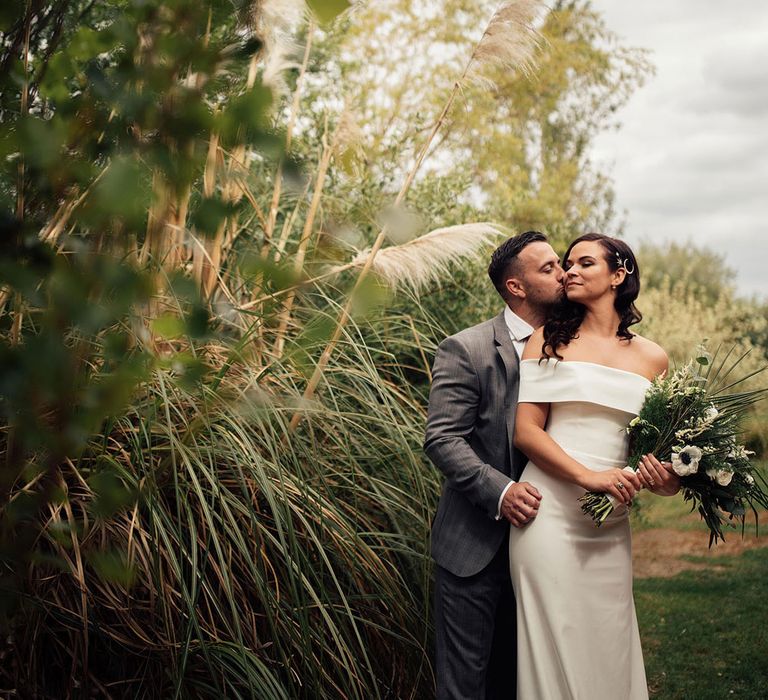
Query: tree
column 688, row 267
column 525, row 145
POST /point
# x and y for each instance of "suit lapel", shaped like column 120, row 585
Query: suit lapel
column 508, row 355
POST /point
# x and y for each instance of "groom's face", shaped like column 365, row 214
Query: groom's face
column 540, row 276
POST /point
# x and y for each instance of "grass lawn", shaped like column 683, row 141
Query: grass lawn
column 704, row 630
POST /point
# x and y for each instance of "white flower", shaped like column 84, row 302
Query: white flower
column 749, row 479
column 686, row 460
column 634, row 421
column 721, row 476
column 739, row 452
column 724, row 477
column 711, row 413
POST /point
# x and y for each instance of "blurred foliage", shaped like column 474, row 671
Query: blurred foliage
column 686, row 266
column 104, row 127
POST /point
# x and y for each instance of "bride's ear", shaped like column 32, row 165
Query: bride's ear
column 617, row 277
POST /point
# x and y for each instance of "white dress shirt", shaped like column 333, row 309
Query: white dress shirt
column 519, row 332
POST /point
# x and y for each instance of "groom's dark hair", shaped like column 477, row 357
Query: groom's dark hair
column 504, row 263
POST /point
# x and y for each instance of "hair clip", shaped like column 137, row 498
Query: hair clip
column 624, row 263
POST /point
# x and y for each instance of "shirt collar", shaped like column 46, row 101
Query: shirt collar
column 518, row 329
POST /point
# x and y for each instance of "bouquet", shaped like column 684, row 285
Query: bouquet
column 689, row 418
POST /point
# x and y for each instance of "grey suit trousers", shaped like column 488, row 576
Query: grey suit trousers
column 475, row 632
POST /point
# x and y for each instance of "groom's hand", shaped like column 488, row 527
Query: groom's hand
column 521, row 503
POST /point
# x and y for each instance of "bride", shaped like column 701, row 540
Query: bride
column 583, row 377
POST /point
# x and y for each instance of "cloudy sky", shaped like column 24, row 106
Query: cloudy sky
column 690, row 161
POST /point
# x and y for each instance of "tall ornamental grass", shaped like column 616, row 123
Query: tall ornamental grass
column 253, row 563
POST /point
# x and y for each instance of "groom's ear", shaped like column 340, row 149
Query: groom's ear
column 515, row 288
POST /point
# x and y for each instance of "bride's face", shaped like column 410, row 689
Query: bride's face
column 587, row 274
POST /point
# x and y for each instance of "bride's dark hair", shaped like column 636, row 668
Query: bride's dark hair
column 565, row 318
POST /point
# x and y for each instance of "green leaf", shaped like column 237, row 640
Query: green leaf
column 113, row 566
column 277, row 276
column 111, row 494
column 210, row 213
column 702, row 360
column 246, row 116
column 187, row 369
column 122, row 193
column 10, row 11
column 41, row 141
column 197, row 321
column 168, row 326
column 328, row 10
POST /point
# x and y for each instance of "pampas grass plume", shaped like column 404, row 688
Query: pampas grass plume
column 426, row 260
column 509, row 41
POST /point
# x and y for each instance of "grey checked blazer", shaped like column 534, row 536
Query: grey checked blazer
column 470, row 424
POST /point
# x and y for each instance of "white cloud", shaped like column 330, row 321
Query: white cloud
column 691, row 158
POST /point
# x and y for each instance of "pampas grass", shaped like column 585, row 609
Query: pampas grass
column 426, row 260
column 508, row 42
column 258, row 564
column 258, row 568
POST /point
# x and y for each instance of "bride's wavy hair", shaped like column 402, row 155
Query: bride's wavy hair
column 565, row 318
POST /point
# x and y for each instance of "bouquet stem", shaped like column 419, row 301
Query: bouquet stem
column 598, row 506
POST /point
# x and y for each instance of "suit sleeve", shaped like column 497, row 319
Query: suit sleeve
column 451, row 417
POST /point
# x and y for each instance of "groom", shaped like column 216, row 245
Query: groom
column 470, row 424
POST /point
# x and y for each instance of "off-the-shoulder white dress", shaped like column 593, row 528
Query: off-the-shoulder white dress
column 578, row 637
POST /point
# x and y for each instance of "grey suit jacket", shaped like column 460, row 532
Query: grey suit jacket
column 470, row 423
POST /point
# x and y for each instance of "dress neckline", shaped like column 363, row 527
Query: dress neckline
column 595, row 364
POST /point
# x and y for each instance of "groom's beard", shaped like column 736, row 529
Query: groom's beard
column 559, row 298
column 549, row 307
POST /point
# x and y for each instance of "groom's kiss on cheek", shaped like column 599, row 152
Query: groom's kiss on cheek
column 537, row 277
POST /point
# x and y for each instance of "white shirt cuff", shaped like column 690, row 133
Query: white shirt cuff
column 501, row 498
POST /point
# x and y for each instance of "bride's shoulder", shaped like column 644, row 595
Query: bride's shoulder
column 651, row 354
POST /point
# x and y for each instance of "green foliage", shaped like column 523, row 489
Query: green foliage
column 98, row 138
column 687, row 267
column 525, row 144
column 328, row 10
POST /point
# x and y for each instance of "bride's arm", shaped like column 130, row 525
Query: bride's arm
column 542, row 450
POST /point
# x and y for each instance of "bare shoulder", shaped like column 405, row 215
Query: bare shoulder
column 651, row 355
column 534, row 345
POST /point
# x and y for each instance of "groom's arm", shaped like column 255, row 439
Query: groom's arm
column 453, row 405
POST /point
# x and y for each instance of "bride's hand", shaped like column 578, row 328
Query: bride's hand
column 620, row 483
column 658, row 477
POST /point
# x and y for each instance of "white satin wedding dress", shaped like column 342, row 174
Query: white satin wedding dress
column 577, row 630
